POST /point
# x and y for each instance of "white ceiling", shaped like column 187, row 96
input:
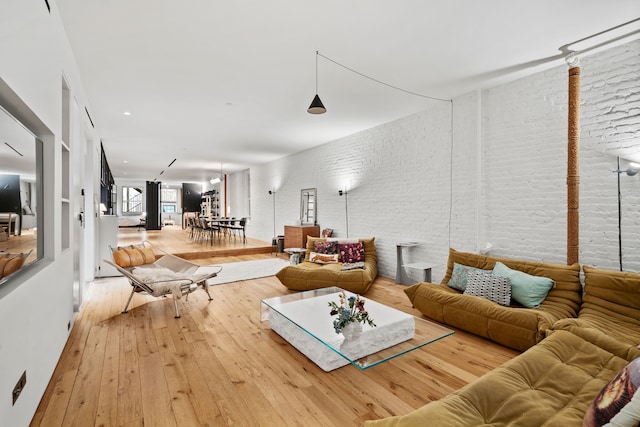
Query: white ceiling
column 210, row 82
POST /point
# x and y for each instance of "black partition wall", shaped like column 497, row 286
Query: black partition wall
column 154, row 221
column 10, row 196
column 191, row 197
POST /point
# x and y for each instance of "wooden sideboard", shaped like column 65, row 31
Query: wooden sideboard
column 295, row 236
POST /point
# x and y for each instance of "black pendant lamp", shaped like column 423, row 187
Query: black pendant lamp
column 316, row 106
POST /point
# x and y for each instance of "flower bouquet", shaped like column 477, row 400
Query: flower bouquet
column 350, row 310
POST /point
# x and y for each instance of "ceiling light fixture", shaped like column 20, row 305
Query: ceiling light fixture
column 17, row 152
column 316, row 106
column 215, row 181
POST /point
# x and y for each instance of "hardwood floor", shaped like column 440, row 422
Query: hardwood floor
column 176, row 240
column 220, row 365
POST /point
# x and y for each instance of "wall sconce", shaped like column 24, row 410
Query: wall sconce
column 273, row 194
column 346, row 207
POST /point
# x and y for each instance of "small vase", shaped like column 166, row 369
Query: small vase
column 351, row 330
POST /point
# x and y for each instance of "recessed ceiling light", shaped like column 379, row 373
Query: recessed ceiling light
column 125, row 161
column 126, row 113
column 229, row 104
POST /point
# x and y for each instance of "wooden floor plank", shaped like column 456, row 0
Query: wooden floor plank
column 107, row 413
column 179, row 389
column 83, row 402
column 219, row 364
column 231, row 406
column 198, row 390
column 156, row 401
column 129, row 401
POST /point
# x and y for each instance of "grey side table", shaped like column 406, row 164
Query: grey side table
column 401, row 269
column 401, row 274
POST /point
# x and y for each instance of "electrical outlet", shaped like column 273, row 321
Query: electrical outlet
column 19, row 387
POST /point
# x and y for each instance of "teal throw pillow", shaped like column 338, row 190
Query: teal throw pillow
column 460, row 276
column 526, row 289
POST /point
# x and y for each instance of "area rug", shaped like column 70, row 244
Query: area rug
column 247, row 270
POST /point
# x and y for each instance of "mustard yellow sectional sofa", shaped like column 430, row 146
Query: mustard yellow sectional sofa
column 513, row 326
column 308, row 275
column 577, row 375
column 551, row 384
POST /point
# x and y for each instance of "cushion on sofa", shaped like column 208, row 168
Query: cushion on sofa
column 352, row 266
column 551, row 384
column 526, row 289
column 133, row 256
column 322, row 258
column 565, row 296
column 351, row 252
column 460, row 275
column 325, row 247
column 567, row 289
column 487, row 285
column 613, row 293
column 610, row 312
column 618, row 402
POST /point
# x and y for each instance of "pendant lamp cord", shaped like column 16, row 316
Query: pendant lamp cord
column 372, row 79
column 317, row 71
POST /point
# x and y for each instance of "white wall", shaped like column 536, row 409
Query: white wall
column 503, row 173
column 239, row 194
column 525, row 162
column 36, row 308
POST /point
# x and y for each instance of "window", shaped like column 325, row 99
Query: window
column 169, row 195
column 131, row 200
column 169, row 199
column 21, row 201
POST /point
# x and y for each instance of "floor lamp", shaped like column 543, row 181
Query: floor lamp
column 632, row 169
column 346, row 207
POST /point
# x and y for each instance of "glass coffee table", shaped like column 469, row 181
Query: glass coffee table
column 303, row 320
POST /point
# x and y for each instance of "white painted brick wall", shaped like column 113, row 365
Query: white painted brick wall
column 399, row 174
column 610, row 107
